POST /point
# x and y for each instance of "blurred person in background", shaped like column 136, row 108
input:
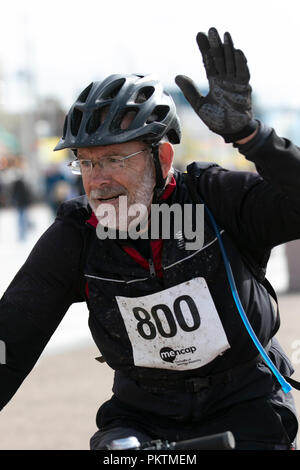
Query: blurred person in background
column 165, row 316
column 2, row 194
column 57, row 187
column 8, row 176
column 21, row 198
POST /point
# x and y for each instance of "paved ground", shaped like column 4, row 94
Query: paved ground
column 56, row 406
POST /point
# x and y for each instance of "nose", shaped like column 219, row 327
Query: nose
column 99, row 176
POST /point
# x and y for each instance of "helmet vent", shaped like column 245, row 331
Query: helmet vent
column 65, row 128
column 124, row 119
column 144, row 94
column 76, row 121
column 84, row 94
column 158, row 114
column 173, row 136
column 97, row 119
column 127, row 118
column 112, row 89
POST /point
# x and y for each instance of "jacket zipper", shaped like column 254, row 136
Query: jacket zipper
column 151, row 268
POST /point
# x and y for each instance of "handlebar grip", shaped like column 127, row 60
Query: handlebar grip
column 221, row 441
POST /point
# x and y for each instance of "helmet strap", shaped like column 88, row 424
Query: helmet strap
column 160, row 181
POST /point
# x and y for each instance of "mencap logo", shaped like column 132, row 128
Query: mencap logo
column 169, row 354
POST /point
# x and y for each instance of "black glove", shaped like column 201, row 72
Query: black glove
column 226, row 110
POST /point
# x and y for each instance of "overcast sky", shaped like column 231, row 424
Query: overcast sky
column 70, row 43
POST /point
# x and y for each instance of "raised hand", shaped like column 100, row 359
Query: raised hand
column 227, row 109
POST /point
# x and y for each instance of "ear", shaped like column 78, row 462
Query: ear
column 166, row 156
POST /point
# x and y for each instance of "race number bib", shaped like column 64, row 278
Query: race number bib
column 178, row 328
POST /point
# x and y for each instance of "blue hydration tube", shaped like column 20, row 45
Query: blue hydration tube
column 286, row 387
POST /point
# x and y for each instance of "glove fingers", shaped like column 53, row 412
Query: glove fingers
column 203, row 43
column 190, row 91
column 242, row 71
column 208, row 60
column 229, row 56
column 217, row 51
column 222, row 60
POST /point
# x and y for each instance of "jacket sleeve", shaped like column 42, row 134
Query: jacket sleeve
column 36, row 301
column 258, row 210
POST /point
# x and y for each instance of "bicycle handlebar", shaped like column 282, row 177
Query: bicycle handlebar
column 221, row 441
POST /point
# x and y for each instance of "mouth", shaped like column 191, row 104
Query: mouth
column 108, row 199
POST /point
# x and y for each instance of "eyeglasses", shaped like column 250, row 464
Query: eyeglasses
column 112, row 164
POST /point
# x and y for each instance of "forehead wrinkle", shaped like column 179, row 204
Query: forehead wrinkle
column 109, row 153
column 122, row 149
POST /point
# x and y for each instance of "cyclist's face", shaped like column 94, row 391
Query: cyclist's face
column 135, row 180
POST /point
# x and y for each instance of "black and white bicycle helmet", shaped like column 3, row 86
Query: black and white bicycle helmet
column 96, row 116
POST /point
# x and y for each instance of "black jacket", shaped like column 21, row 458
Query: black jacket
column 258, row 211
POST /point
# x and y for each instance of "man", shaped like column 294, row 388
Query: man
column 164, row 316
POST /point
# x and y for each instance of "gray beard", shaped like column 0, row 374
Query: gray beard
column 137, row 208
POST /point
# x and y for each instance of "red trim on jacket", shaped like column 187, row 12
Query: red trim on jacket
column 92, row 220
column 156, row 248
column 169, row 189
column 136, row 256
